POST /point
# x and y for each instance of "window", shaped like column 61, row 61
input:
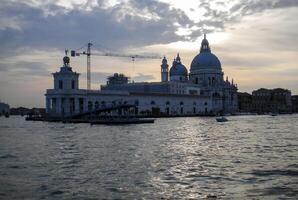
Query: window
column 136, row 102
column 90, row 105
column 60, row 84
column 72, row 84
column 96, row 105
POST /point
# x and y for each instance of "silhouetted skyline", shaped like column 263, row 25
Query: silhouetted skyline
column 256, row 41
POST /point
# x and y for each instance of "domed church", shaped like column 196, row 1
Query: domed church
column 201, row 91
column 206, row 71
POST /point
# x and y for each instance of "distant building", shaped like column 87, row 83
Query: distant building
column 244, row 102
column 117, row 79
column 4, row 108
column 202, row 91
column 271, row 100
column 295, row 103
column 19, row 111
column 27, row 111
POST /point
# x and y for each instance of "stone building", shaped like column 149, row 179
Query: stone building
column 4, row 108
column 271, row 100
column 202, row 91
column 294, row 99
column 244, row 102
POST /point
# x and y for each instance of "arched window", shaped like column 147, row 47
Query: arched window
column 152, row 102
column 181, row 103
column 167, row 103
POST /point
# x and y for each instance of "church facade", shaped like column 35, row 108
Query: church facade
column 201, row 91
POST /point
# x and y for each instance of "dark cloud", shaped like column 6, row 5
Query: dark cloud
column 131, row 23
column 216, row 18
column 115, row 27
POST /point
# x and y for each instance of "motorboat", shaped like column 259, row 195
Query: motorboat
column 221, row 119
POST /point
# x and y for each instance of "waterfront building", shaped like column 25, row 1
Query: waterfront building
column 294, row 99
column 271, row 100
column 244, row 102
column 202, row 91
column 4, row 108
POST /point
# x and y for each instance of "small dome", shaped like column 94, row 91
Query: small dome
column 178, row 69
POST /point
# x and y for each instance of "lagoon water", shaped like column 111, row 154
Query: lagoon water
column 248, row 157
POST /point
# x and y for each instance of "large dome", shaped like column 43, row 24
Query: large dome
column 205, row 59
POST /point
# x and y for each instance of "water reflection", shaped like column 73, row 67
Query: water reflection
column 176, row 158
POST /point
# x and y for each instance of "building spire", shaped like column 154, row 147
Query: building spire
column 178, row 58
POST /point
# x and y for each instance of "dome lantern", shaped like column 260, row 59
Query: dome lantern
column 205, row 45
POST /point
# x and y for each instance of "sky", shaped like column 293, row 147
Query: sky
column 255, row 40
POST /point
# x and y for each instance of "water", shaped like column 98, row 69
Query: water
column 248, row 157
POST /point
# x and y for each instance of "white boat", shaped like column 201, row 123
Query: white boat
column 221, row 119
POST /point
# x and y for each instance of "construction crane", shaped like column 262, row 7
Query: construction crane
column 88, row 53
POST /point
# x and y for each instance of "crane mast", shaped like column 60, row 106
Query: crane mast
column 88, row 54
column 89, row 66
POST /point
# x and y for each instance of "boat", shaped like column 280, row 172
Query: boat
column 221, row 119
column 120, row 121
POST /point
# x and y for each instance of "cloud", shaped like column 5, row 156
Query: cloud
column 135, row 23
column 24, row 68
column 142, row 78
column 97, row 77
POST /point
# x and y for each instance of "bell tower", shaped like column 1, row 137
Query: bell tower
column 164, row 70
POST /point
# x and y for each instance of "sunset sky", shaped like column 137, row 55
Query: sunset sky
column 256, row 40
